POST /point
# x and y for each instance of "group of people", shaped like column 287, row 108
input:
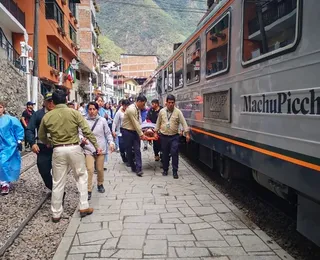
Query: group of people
column 65, row 140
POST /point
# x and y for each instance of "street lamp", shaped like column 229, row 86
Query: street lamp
column 31, row 63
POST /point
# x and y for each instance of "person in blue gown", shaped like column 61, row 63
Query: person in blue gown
column 11, row 136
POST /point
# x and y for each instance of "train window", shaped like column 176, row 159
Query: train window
column 193, row 62
column 269, row 27
column 217, row 40
column 159, row 83
column 165, row 75
column 170, row 77
column 178, row 72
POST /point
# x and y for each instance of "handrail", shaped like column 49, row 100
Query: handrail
column 14, row 9
column 12, row 55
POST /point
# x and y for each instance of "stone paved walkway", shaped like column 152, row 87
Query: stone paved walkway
column 156, row 217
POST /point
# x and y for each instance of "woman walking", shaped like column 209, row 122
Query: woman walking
column 101, row 131
column 11, row 136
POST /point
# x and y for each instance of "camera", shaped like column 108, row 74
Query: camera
column 94, row 154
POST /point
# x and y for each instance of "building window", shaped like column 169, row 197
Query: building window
column 52, row 59
column 53, row 11
column 193, row 62
column 170, row 77
column 62, row 65
column 72, row 7
column 93, row 20
column 269, row 27
column 94, row 41
column 72, row 33
column 78, row 75
column 165, row 76
column 217, row 39
column 178, row 72
column 159, row 82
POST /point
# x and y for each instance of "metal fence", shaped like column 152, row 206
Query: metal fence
column 12, row 55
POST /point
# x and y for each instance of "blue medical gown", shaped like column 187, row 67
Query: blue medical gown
column 11, row 131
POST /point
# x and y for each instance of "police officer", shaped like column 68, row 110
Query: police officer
column 168, row 123
column 44, row 152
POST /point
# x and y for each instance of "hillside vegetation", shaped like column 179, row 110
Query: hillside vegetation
column 146, row 26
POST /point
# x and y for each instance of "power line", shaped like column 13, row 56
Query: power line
column 186, row 10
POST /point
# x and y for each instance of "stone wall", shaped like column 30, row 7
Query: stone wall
column 12, row 86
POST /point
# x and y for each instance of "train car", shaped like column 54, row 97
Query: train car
column 247, row 81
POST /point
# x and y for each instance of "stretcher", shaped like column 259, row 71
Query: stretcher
column 148, row 130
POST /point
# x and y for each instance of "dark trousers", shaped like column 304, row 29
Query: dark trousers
column 132, row 140
column 170, row 146
column 122, row 148
column 156, row 147
column 44, row 163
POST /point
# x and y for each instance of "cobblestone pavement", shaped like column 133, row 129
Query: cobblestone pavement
column 159, row 217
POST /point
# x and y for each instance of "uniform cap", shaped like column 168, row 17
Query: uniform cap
column 48, row 96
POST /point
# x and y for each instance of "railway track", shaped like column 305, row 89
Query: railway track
column 28, row 165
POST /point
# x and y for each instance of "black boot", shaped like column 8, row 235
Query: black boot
column 175, row 175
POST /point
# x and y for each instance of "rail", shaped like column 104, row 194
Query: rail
column 274, row 12
column 12, row 55
column 14, row 9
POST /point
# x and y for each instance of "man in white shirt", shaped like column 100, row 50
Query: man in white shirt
column 82, row 109
column 116, row 125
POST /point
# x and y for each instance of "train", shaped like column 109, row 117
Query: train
column 248, row 83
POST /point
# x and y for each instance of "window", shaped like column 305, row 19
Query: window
column 72, row 7
column 52, row 59
column 78, row 77
column 165, row 75
column 159, row 83
column 53, row 11
column 72, row 33
column 93, row 20
column 193, row 62
column 178, row 72
column 170, row 77
column 269, row 27
column 94, row 40
column 217, row 39
column 62, row 65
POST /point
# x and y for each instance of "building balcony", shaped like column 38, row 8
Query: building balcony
column 14, row 9
column 11, row 54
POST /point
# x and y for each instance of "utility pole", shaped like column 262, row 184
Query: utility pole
column 36, row 53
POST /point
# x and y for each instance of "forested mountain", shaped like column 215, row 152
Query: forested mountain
column 147, row 26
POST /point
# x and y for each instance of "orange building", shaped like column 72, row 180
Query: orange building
column 57, row 38
column 138, row 66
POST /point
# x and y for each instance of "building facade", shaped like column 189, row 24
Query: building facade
column 138, row 67
column 12, row 30
column 89, row 49
column 57, row 40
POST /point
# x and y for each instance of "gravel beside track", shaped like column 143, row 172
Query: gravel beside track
column 279, row 225
column 40, row 238
column 24, row 195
